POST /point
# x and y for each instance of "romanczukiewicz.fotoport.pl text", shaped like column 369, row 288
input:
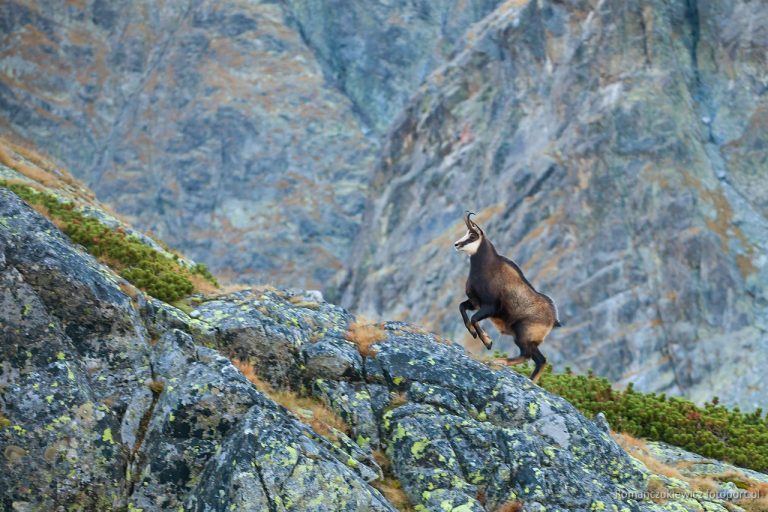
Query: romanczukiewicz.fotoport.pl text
column 672, row 494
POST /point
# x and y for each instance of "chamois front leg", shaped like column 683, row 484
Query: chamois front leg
column 463, row 307
column 483, row 313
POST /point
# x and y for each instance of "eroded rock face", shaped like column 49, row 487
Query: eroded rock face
column 378, row 53
column 606, row 147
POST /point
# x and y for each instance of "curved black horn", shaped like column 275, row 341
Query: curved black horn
column 467, row 219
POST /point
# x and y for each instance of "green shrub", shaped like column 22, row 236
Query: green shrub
column 158, row 275
column 711, row 430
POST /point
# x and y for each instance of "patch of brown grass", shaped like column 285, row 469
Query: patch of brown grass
column 758, row 504
column 202, row 285
column 397, row 400
column 389, row 485
column 510, row 506
column 758, row 493
column 227, row 288
column 309, row 410
column 657, row 491
column 639, row 450
column 364, row 335
column 130, row 290
column 10, row 158
column 300, row 302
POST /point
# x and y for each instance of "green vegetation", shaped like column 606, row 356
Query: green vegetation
column 712, row 431
column 155, row 273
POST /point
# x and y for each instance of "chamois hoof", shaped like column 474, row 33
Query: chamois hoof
column 488, row 342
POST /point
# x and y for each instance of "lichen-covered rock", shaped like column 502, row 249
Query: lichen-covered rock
column 460, row 435
column 106, row 403
column 72, row 351
column 271, row 329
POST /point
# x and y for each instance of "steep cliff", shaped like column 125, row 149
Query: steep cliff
column 111, row 400
column 617, row 152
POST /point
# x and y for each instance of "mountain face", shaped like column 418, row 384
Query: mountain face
column 212, row 123
column 615, row 150
column 111, row 400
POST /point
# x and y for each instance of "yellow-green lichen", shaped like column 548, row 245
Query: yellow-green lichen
column 417, row 450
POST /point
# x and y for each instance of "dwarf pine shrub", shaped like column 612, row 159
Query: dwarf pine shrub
column 712, row 430
column 155, row 273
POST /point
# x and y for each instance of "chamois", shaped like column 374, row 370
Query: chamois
column 497, row 289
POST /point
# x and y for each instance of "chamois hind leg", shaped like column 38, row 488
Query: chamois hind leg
column 512, row 361
column 483, row 313
column 522, row 358
column 540, row 361
column 528, row 336
column 463, row 308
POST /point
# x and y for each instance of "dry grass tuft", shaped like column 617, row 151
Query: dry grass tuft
column 300, row 302
column 390, row 486
column 156, row 386
column 759, row 500
column 397, row 400
column 657, row 491
column 364, row 335
column 11, row 158
column 202, row 285
column 309, row 410
column 510, row 506
column 130, row 290
column 639, row 450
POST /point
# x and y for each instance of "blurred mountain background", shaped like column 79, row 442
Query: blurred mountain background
column 617, row 151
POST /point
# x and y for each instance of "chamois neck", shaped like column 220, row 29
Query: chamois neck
column 485, row 253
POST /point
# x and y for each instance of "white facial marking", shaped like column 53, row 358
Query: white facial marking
column 470, row 248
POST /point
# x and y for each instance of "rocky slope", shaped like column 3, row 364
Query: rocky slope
column 614, row 151
column 113, row 400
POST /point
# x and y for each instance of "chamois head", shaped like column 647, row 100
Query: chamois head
column 471, row 241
